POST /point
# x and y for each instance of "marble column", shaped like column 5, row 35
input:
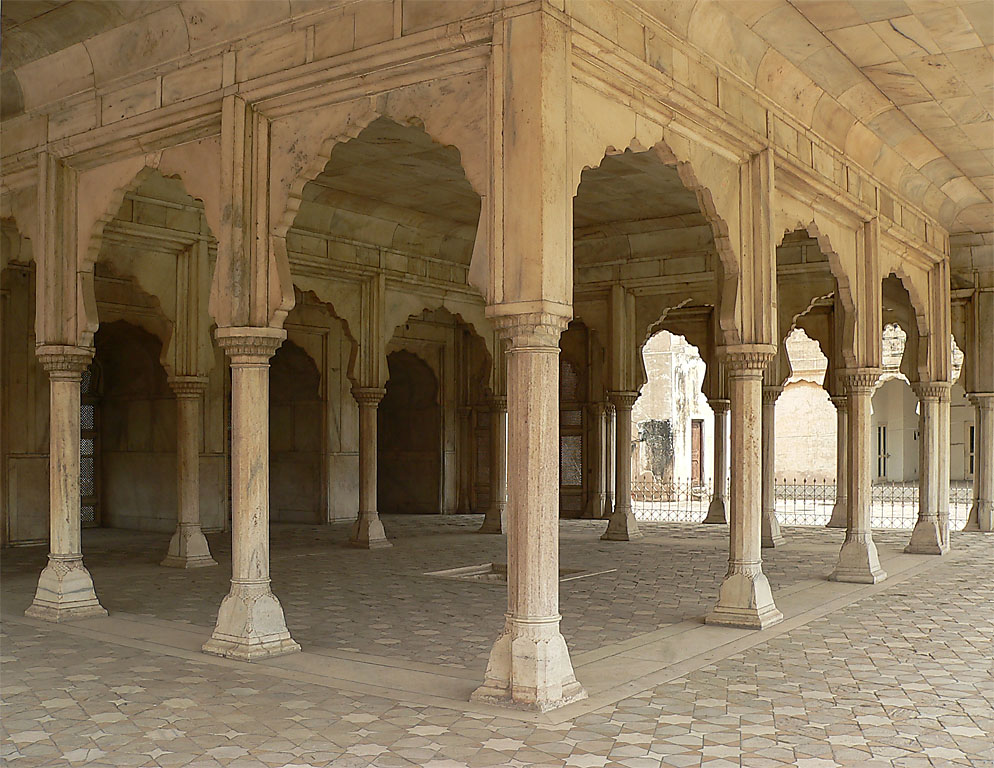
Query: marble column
column 464, row 420
column 717, row 514
column 944, row 466
column 188, row 547
column 367, row 533
column 928, row 538
column 622, row 525
column 250, row 622
column 771, row 536
column 982, row 512
column 495, row 520
column 745, row 598
column 610, row 453
column 529, row 664
column 840, row 512
column 597, row 485
column 858, row 561
column 65, row 589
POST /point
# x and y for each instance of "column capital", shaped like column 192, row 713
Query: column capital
column 64, row 361
column 188, row 386
column 249, row 344
column 720, row 405
column 533, row 330
column 623, row 400
column 746, row 358
column 368, row 396
column 931, row 390
column 840, row 402
column 859, row 380
column 982, row 400
column 498, row 403
column 771, row 394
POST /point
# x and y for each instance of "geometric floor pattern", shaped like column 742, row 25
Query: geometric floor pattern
column 901, row 677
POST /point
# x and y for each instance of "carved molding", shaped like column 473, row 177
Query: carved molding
column 746, row 358
column 188, row 386
column 771, row 395
column 860, row 381
column 249, row 345
column 623, row 401
column 840, row 402
column 932, row 390
column 531, row 331
column 720, row 405
column 498, row 404
column 369, row 397
column 64, row 362
column 982, row 400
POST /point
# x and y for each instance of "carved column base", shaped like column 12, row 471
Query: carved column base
column 367, row 533
column 250, row 625
column 530, row 668
column 858, row 561
column 65, row 592
column 608, row 507
column 927, row 538
column 771, row 535
column 188, row 549
column 981, row 517
column 594, row 507
column 622, row 526
column 840, row 515
column 495, row 520
column 716, row 512
column 745, row 600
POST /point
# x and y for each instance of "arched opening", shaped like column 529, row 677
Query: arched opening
column 296, row 437
column 135, row 426
column 806, row 421
column 894, row 414
column 409, row 445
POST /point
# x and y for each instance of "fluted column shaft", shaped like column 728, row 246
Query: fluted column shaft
column 745, row 598
column 65, row 589
column 529, row 664
column 495, row 520
column 717, row 513
column 858, row 560
column 188, row 547
column 771, row 535
column 982, row 512
column 368, row 533
column 250, row 622
column 622, row 525
column 840, row 511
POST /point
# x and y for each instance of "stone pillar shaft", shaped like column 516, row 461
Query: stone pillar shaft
column 250, row 622
column 982, row 512
column 65, row 589
column 597, row 487
column 840, row 512
column 622, row 525
column 610, row 453
column 745, row 598
column 930, row 536
column 367, row 533
column 529, row 665
column 717, row 508
column 771, row 535
column 188, row 547
column 495, row 520
column 858, row 560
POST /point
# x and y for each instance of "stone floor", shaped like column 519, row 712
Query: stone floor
column 897, row 674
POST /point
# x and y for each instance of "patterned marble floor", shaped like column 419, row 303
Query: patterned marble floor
column 903, row 676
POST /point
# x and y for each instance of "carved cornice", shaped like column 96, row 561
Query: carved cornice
column 860, row 381
column 746, row 359
column 368, row 396
column 64, row 362
column 535, row 331
column 188, row 386
column 623, row 401
column 249, row 345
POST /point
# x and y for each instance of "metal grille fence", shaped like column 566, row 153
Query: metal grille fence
column 798, row 502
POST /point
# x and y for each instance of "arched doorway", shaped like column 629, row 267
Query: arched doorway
column 410, row 445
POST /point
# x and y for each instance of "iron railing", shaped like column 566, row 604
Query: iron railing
column 798, row 502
